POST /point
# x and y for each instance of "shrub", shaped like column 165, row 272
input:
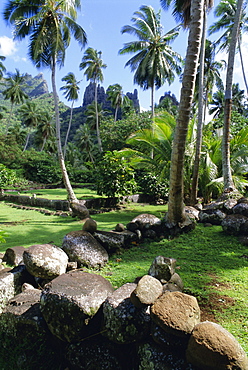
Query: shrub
column 7, row 176
column 150, row 184
column 115, row 176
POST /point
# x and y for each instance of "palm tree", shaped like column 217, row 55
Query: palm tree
column 71, row 90
column 31, row 115
column 93, row 64
column 226, row 10
column 2, row 67
column 15, row 82
column 85, row 142
column 117, row 98
column 49, row 24
column 45, row 130
column 154, row 62
column 176, row 214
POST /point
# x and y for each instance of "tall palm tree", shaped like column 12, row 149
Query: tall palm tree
column 226, row 165
column 45, row 130
column 49, row 25
column 15, row 82
column 2, row 67
column 176, row 214
column 31, row 116
column 226, row 10
column 85, row 142
column 71, row 90
column 154, row 62
column 117, row 98
column 93, row 65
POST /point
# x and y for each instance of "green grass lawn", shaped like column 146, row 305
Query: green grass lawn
column 209, row 261
column 60, row 193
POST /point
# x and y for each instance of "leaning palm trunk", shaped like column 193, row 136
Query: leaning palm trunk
column 27, row 140
column 201, row 116
column 71, row 196
column 176, row 214
column 97, row 121
column 226, row 166
column 242, row 64
column 68, row 129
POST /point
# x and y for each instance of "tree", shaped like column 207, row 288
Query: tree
column 71, row 90
column 93, row 64
column 45, row 130
column 226, row 166
column 117, row 98
column 154, row 62
column 30, row 115
column 14, row 91
column 226, row 10
column 49, row 24
column 2, row 67
column 85, row 142
column 176, row 214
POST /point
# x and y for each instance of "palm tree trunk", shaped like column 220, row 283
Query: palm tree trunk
column 27, row 140
column 176, row 213
column 68, row 130
column 153, row 113
column 226, row 166
column 97, row 121
column 242, row 64
column 71, row 196
column 195, row 178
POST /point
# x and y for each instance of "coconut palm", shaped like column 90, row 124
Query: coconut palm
column 15, row 83
column 93, row 65
column 31, row 116
column 49, row 25
column 117, row 98
column 154, row 62
column 85, row 142
column 2, row 67
column 71, row 90
column 226, row 10
column 45, row 130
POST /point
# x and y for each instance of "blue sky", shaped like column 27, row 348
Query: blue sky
column 102, row 20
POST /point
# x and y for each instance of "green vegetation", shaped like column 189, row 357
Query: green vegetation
column 212, row 264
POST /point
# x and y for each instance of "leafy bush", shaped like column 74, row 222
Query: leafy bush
column 44, row 171
column 80, row 175
column 150, row 184
column 7, row 176
column 115, row 177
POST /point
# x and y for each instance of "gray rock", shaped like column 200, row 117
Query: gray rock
column 70, row 304
column 147, row 221
column 13, row 256
column 192, row 212
column 45, row 261
column 90, row 225
column 110, row 240
column 241, row 209
column 146, row 292
column 176, row 313
column 122, row 321
column 119, row 227
column 211, row 215
column 83, row 248
column 234, row 224
column 175, row 284
column 79, row 210
column 228, row 205
column 162, row 268
column 211, row 347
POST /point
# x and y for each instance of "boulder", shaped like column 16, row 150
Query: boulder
column 228, row 205
column 176, row 313
column 241, row 209
column 211, row 347
column 175, row 284
column 162, row 268
column 147, row 221
column 83, row 248
column 122, row 321
column 79, row 210
column 70, row 304
column 25, row 341
column 146, row 292
column 235, row 224
column 192, row 212
column 90, row 225
column 110, row 240
column 119, row 227
column 213, row 216
column 13, row 256
column 45, row 261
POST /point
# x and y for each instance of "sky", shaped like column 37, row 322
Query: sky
column 102, row 21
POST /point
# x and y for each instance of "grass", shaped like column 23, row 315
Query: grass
column 209, row 261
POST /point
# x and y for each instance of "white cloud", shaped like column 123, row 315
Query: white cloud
column 7, row 46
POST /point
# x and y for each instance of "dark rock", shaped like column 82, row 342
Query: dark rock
column 45, row 261
column 13, row 256
column 162, row 268
column 241, row 209
column 228, row 205
column 213, row 216
column 90, row 225
column 175, row 284
column 211, row 347
column 110, row 240
column 147, row 221
column 83, row 248
column 79, row 210
column 122, row 321
column 132, row 226
column 70, row 304
column 234, row 224
column 119, row 227
column 192, row 212
column 176, row 313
